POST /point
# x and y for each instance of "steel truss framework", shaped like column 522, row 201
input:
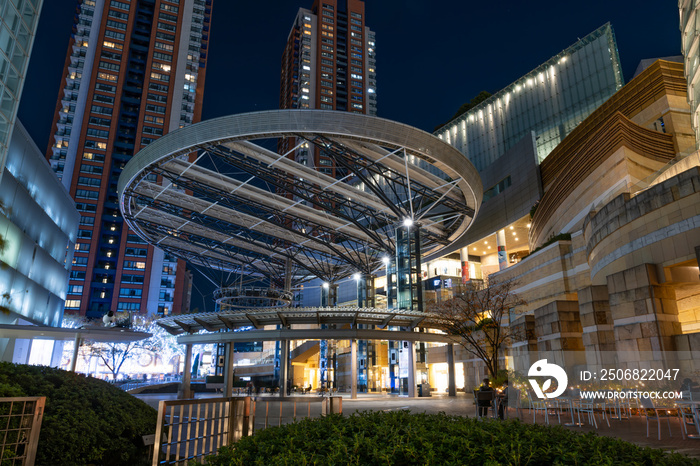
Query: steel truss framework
column 208, row 194
column 245, row 320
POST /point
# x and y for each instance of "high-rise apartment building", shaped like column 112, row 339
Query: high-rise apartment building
column 134, row 70
column 329, row 63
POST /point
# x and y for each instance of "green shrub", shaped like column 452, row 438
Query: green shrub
column 401, row 438
column 552, row 239
column 86, row 421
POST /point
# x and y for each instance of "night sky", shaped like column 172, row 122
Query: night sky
column 431, row 56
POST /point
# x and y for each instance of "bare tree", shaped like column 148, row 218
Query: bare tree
column 160, row 344
column 114, row 355
column 478, row 316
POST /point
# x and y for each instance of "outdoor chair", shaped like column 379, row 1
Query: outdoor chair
column 583, row 406
column 483, row 397
column 546, row 406
column 687, row 414
column 621, row 409
column 588, row 408
column 653, row 413
column 513, row 401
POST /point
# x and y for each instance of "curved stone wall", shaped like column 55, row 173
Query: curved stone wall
column 658, row 226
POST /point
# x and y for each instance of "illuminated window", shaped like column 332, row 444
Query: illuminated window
column 75, row 289
column 112, row 45
column 161, row 66
column 106, row 76
column 160, row 77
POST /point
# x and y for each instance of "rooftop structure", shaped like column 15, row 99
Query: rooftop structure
column 326, row 228
column 550, row 100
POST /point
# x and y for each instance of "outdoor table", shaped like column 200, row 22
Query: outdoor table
column 570, row 401
column 497, row 400
column 617, row 409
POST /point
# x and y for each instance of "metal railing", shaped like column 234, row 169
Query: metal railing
column 133, row 384
column 193, row 429
column 20, row 423
column 271, row 412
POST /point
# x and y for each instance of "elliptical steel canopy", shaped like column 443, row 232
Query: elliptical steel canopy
column 210, row 195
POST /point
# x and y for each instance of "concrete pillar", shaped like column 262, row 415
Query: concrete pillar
column 502, row 253
column 284, row 368
column 597, row 325
column 411, row 369
column 559, row 333
column 645, row 318
column 228, row 370
column 464, row 259
column 353, row 369
column 185, row 390
column 523, row 348
column 451, row 382
column 74, row 356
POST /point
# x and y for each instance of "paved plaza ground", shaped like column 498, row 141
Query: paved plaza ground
column 632, row 430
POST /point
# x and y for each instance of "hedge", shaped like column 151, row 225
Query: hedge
column 401, row 438
column 86, row 420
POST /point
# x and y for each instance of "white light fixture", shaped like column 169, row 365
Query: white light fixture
column 325, row 285
column 357, row 276
column 386, row 260
column 408, row 222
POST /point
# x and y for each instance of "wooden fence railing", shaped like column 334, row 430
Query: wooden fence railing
column 20, row 424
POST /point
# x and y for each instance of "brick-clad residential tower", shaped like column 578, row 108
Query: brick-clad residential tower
column 134, row 71
column 329, row 64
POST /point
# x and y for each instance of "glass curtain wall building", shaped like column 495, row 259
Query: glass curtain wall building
column 134, row 71
column 551, row 100
column 690, row 37
column 38, row 228
column 18, row 22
